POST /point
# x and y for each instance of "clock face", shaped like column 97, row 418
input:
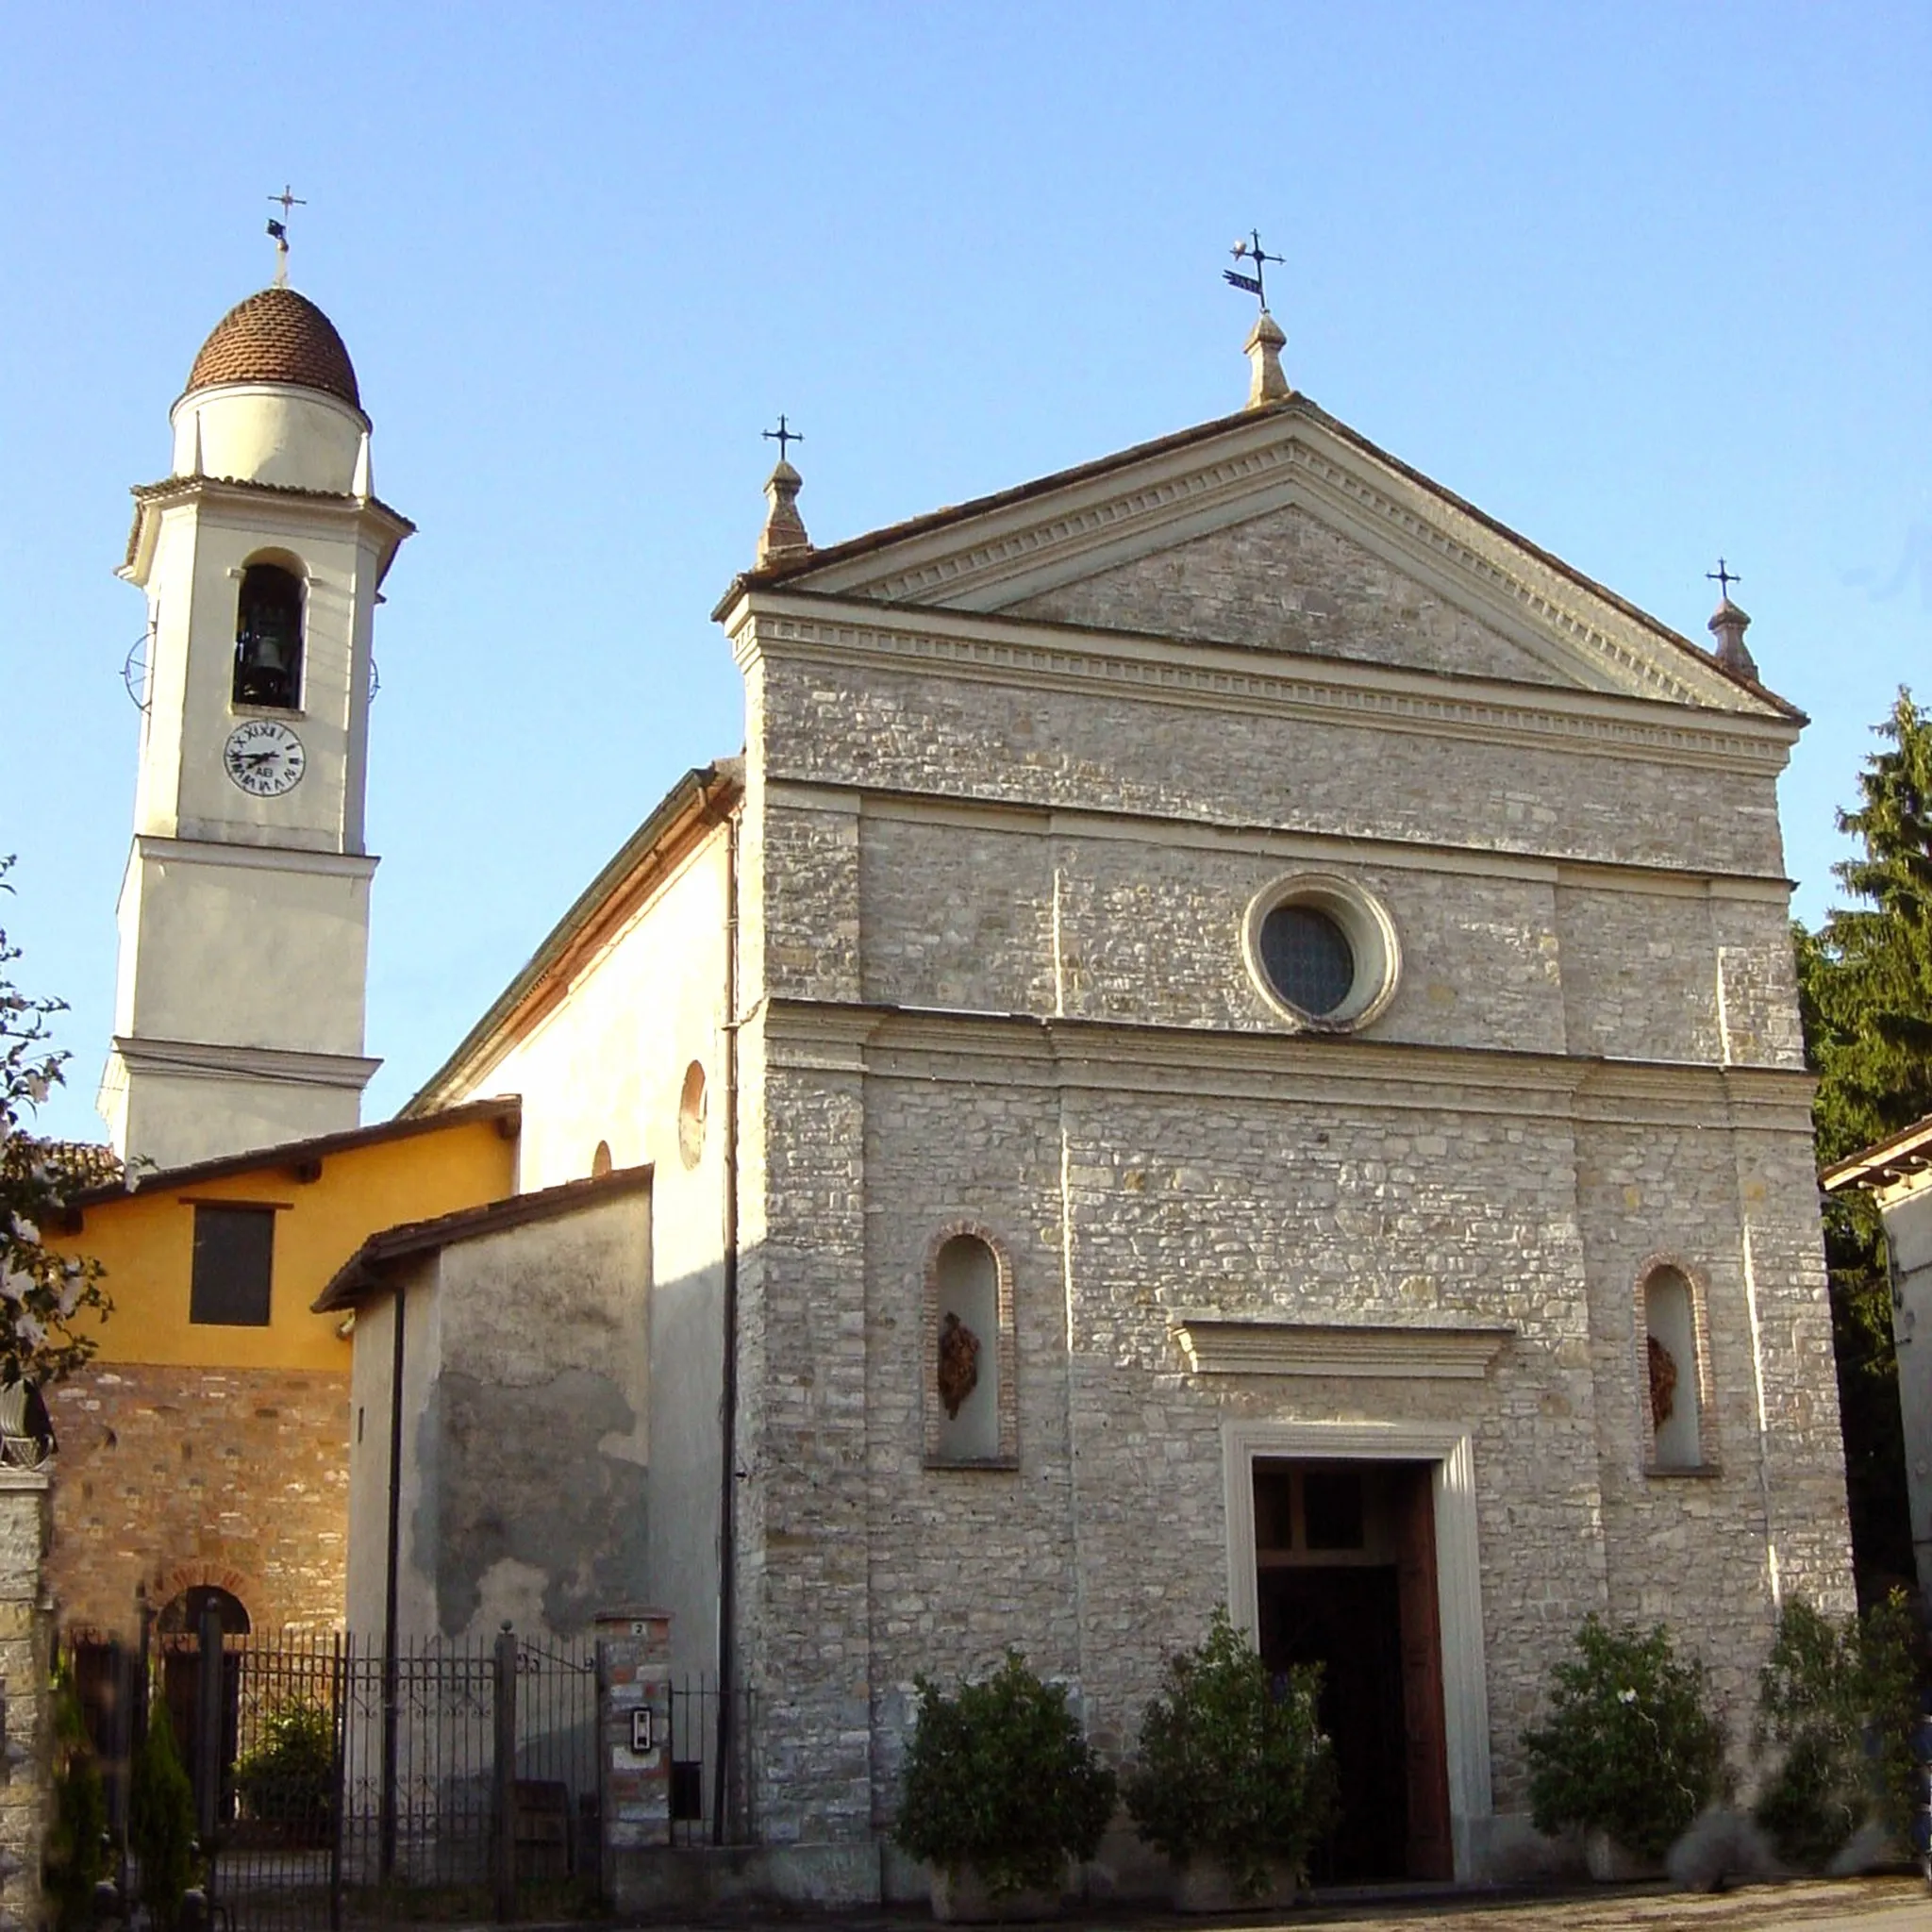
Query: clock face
column 264, row 758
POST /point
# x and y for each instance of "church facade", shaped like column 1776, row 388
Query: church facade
column 1231, row 1038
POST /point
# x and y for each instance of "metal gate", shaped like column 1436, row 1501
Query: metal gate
column 336, row 1782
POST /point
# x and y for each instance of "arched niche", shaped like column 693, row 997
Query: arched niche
column 1674, row 1369
column 970, row 1399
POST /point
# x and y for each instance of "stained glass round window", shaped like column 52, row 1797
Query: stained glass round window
column 1307, row 958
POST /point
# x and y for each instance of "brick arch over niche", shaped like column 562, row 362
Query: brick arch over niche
column 1663, row 1271
column 999, row 1351
column 176, row 1582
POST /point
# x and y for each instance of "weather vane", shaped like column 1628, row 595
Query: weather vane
column 1250, row 250
column 1723, row 579
column 279, row 231
column 781, row 435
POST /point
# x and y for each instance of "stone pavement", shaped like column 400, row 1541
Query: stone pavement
column 1859, row 1904
column 1871, row 1904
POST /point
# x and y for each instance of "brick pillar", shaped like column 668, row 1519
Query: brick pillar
column 26, row 1798
column 633, row 1786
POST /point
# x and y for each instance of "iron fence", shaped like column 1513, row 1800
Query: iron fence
column 335, row 1782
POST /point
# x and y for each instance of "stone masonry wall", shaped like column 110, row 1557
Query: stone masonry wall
column 1355, row 774
column 1127, row 1203
column 1032, row 919
column 172, row 1477
column 802, row 1590
column 1590, row 938
column 24, row 1662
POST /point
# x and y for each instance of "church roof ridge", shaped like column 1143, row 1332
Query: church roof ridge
column 505, row 1109
column 786, row 570
column 698, row 798
column 363, row 1273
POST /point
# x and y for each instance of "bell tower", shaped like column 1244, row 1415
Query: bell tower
column 244, row 909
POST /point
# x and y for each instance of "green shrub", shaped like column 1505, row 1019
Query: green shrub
column 1840, row 1702
column 74, row 1858
column 1001, row 1778
column 290, row 1777
column 1230, row 1770
column 160, row 1822
column 1631, row 1747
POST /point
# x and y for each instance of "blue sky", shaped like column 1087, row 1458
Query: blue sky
column 1647, row 283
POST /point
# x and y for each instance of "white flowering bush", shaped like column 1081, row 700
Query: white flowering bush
column 42, row 1294
column 1631, row 1746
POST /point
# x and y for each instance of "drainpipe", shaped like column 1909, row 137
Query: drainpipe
column 387, row 1853
column 727, row 1497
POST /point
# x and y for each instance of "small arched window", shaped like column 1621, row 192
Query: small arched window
column 1669, row 1324
column 267, row 638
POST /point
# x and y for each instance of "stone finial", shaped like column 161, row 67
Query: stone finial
column 1264, row 346
column 1728, row 628
column 784, row 532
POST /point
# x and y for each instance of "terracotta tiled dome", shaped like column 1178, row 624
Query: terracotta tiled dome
column 276, row 336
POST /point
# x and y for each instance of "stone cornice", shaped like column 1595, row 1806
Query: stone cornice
column 1297, row 455
column 1028, row 653
column 1215, row 1347
column 200, row 1059
column 259, row 506
column 161, row 849
column 1111, row 1057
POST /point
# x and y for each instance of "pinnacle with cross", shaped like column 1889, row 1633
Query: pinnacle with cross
column 279, row 231
column 784, row 532
column 1731, row 623
column 1267, row 384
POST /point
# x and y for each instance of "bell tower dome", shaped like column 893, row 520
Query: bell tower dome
column 245, row 910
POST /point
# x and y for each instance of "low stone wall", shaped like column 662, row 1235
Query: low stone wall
column 25, row 1624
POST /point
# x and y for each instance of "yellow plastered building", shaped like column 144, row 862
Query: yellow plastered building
column 205, row 1445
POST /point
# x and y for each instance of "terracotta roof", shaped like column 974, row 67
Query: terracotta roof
column 506, row 1111
column 796, row 567
column 368, row 1270
column 1901, row 1157
column 276, row 336
column 175, row 489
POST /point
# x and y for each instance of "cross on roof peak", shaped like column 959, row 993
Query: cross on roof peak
column 782, row 435
column 1250, row 250
column 278, row 231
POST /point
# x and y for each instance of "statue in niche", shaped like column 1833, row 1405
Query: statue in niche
column 958, row 1363
column 1663, row 1384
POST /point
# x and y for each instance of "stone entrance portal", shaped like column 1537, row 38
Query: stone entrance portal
column 1345, row 1576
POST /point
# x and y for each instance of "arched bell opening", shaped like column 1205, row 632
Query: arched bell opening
column 267, row 638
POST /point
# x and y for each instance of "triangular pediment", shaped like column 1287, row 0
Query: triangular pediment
column 1288, row 581
column 1280, row 531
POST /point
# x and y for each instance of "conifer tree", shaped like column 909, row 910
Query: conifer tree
column 1865, row 990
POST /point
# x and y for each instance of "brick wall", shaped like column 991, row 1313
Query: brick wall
column 172, row 1477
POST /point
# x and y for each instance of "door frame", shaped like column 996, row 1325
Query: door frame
column 1451, row 1455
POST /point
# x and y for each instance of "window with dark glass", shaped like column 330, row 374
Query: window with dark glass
column 1307, row 958
column 267, row 638
column 234, row 1257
